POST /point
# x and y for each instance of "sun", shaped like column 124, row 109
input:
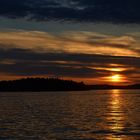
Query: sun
column 115, row 78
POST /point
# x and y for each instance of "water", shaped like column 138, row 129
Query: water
column 90, row 115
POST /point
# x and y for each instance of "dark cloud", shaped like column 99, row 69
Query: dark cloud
column 28, row 63
column 121, row 11
column 29, row 55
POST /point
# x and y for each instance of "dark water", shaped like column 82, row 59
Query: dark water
column 90, row 115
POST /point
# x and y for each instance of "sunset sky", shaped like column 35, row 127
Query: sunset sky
column 95, row 41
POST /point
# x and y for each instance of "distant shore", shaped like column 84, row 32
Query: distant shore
column 54, row 84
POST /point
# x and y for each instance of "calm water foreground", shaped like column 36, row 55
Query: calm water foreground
column 90, row 115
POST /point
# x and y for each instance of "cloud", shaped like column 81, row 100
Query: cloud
column 71, row 42
column 21, row 62
column 73, row 10
column 75, row 55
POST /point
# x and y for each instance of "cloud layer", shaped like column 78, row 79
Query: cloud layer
column 72, row 42
column 84, row 56
column 73, row 10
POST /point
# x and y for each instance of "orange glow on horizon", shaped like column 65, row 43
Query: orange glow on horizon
column 115, row 78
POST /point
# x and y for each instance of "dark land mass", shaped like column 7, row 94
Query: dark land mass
column 54, row 84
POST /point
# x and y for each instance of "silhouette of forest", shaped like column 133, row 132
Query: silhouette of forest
column 54, row 84
column 41, row 84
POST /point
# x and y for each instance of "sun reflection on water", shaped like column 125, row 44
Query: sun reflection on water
column 115, row 116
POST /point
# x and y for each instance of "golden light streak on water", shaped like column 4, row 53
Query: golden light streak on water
column 116, row 116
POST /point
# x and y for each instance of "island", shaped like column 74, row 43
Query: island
column 54, row 84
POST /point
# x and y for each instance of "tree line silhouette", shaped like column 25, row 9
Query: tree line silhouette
column 41, row 84
column 54, row 84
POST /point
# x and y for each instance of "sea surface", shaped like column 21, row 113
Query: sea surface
column 82, row 115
